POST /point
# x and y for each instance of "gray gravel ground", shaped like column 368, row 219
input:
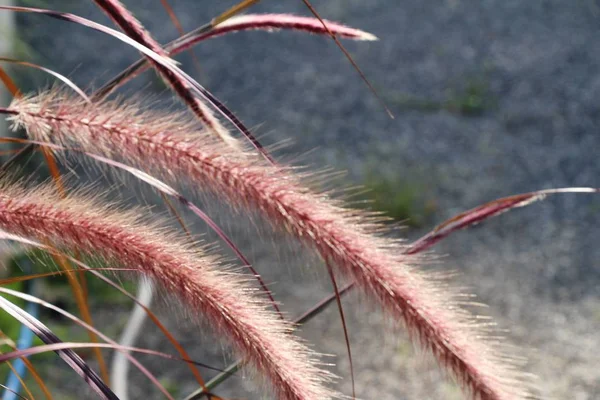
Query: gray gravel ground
column 536, row 67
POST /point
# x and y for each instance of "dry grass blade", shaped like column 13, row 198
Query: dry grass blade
column 10, row 85
column 68, row 355
column 180, row 85
column 96, row 272
column 61, row 346
column 89, row 328
column 55, row 74
column 36, row 376
column 485, row 211
column 15, row 393
column 20, row 379
column 236, row 9
column 179, row 27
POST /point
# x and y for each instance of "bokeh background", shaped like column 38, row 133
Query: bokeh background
column 491, row 98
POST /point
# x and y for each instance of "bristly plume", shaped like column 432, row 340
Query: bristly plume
column 346, row 238
column 199, row 280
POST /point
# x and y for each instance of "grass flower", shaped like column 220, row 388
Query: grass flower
column 344, row 237
column 208, row 288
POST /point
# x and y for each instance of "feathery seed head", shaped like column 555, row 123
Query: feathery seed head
column 200, row 280
column 344, row 237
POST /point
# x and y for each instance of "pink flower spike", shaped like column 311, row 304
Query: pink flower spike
column 202, row 282
column 348, row 239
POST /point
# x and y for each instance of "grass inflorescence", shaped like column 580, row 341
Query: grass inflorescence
column 195, row 152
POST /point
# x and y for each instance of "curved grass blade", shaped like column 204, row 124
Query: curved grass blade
column 65, row 346
column 485, row 211
column 267, row 22
column 25, row 278
column 184, row 355
column 33, row 372
column 181, row 83
column 36, row 300
column 68, row 355
column 21, row 384
column 15, row 392
column 133, row 69
column 181, row 31
column 10, row 85
column 55, row 74
column 182, row 87
column 338, row 299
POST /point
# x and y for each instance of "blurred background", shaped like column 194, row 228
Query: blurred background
column 491, row 98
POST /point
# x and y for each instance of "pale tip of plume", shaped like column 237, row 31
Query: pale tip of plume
column 367, row 37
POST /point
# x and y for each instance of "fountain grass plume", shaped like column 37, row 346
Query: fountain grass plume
column 170, row 145
column 209, row 289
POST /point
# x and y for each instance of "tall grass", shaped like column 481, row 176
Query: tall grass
column 194, row 151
